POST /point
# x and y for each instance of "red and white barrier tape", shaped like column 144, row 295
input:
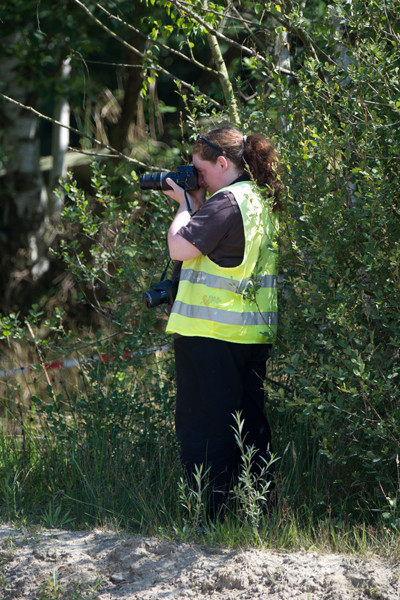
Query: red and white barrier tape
column 77, row 362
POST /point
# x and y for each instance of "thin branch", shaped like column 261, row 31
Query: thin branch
column 217, row 34
column 80, row 133
column 300, row 33
column 159, row 44
column 90, row 153
column 392, row 31
column 109, row 31
column 246, row 25
column 124, row 43
column 218, row 14
column 113, row 64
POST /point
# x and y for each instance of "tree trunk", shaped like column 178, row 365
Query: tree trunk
column 132, row 84
column 283, row 60
column 59, row 145
column 24, row 205
column 344, row 60
column 223, row 76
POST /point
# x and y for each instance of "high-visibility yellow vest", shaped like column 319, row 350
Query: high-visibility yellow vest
column 236, row 304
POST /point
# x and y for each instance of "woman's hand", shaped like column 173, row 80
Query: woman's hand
column 177, row 193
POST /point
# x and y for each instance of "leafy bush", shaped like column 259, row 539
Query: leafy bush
column 338, row 354
column 333, row 380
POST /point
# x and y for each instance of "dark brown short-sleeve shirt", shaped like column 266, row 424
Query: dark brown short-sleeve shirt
column 216, row 229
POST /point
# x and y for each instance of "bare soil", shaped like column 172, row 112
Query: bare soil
column 103, row 565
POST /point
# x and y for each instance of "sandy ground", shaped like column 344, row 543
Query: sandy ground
column 102, row 565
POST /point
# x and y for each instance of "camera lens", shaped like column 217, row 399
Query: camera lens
column 155, row 297
column 148, row 299
column 155, row 181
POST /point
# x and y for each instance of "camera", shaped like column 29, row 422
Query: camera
column 163, row 292
column 185, row 177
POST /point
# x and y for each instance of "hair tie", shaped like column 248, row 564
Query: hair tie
column 245, row 139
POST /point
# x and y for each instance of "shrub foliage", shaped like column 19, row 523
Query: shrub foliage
column 333, row 381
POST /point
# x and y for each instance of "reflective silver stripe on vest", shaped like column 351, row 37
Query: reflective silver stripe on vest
column 226, row 317
column 225, row 283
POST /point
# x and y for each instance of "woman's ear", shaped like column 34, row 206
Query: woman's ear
column 222, row 162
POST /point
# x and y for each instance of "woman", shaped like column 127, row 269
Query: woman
column 224, row 318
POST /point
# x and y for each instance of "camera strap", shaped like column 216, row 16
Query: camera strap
column 175, row 271
column 165, row 270
column 189, row 203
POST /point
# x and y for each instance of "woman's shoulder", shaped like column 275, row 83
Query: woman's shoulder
column 223, row 199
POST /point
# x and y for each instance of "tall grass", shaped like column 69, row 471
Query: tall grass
column 99, row 449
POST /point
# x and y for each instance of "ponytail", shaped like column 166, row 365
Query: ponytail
column 262, row 162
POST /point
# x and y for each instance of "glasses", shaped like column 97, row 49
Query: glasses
column 200, row 137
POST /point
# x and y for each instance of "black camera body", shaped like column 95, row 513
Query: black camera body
column 185, row 177
column 163, row 292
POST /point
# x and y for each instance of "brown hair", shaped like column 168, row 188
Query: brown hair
column 253, row 153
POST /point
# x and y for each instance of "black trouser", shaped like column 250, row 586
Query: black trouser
column 214, row 380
